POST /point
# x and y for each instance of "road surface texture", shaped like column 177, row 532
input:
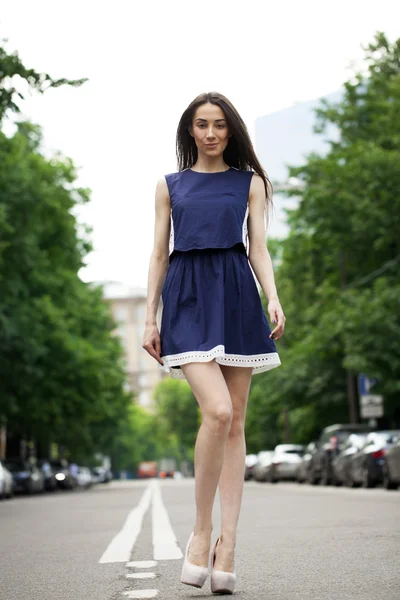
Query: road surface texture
column 295, row 542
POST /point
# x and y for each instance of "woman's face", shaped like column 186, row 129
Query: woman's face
column 210, row 130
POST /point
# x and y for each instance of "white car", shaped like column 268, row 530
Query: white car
column 101, row 475
column 250, row 463
column 264, row 461
column 285, row 462
column 83, row 477
column 6, row 482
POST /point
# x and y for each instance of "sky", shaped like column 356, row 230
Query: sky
column 145, row 62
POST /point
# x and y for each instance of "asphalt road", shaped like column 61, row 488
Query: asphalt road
column 295, row 542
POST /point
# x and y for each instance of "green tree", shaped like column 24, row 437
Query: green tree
column 338, row 275
column 179, row 414
column 61, row 369
column 13, row 71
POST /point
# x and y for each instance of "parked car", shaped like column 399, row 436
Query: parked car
column 341, row 463
column 6, row 482
column 26, row 475
column 264, row 460
column 49, row 475
column 63, row 476
column 101, row 475
column 167, row 467
column 391, row 467
column 303, row 469
column 84, row 478
column 329, row 445
column 366, row 466
column 285, row 462
column 147, row 468
column 250, row 463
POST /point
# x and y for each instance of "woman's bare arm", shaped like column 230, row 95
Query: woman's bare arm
column 158, row 267
column 259, row 257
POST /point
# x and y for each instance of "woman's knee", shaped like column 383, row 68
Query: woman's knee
column 238, row 422
column 219, row 416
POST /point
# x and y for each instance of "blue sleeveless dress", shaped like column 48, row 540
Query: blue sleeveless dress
column 211, row 305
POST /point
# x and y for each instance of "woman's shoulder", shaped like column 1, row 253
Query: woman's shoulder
column 172, row 181
column 244, row 173
column 174, row 175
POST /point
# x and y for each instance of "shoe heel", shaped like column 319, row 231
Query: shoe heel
column 222, row 582
column 193, row 574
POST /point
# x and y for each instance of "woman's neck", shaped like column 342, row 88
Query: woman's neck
column 210, row 165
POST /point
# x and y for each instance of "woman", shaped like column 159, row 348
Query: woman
column 209, row 228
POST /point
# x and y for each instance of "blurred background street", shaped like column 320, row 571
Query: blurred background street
column 294, row 542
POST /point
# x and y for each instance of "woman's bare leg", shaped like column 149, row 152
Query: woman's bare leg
column 238, row 380
column 211, row 392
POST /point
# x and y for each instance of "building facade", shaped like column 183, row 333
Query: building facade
column 128, row 307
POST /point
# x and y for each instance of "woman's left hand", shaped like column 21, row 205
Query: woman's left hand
column 276, row 316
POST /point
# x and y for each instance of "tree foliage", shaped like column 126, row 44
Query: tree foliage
column 61, row 368
column 179, row 414
column 339, row 272
column 13, row 73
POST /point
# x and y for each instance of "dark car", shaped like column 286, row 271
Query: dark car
column 366, row 467
column 391, row 467
column 49, row 474
column 341, row 464
column 303, row 469
column 63, row 476
column 26, row 475
column 329, row 445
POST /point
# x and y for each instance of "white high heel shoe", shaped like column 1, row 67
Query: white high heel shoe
column 193, row 574
column 222, row 582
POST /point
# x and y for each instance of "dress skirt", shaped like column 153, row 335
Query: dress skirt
column 212, row 310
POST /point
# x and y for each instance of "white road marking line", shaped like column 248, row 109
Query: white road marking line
column 120, row 547
column 142, row 564
column 165, row 545
column 141, row 594
column 140, row 575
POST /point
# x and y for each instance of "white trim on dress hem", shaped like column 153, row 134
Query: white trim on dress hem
column 259, row 362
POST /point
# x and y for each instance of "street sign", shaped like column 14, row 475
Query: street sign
column 365, row 384
column 371, row 406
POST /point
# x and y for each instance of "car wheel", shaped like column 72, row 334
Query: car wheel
column 271, row 477
column 311, row 477
column 335, row 480
column 367, row 482
column 348, row 480
column 388, row 484
column 325, row 476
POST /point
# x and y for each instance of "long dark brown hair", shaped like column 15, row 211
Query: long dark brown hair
column 239, row 152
